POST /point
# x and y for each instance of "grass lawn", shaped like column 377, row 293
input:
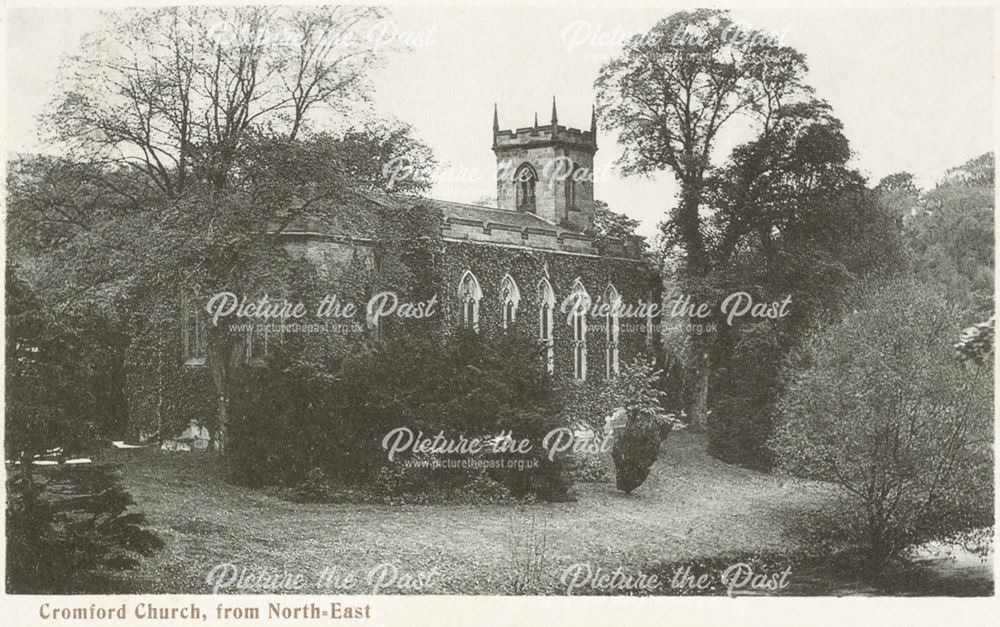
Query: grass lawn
column 691, row 506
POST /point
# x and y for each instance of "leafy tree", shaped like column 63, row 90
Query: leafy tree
column 877, row 404
column 214, row 140
column 50, row 200
column 767, row 187
column 611, row 226
column 668, row 95
column 951, row 237
column 182, row 93
column 899, row 194
column 47, row 396
column 790, row 219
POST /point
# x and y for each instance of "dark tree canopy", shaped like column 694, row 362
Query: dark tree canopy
column 950, row 234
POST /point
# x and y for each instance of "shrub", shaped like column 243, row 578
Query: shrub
column 293, row 416
column 545, row 478
column 527, row 553
column 636, row 389
column 636, row 448
column 588, row 468
column 637, row 385
column 68, row 528
column 877, row 404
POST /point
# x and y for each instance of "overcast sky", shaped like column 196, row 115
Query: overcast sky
column 912, row 86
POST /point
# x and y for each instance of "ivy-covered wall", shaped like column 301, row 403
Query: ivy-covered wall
column 410, row 257
column 165, row 395
column 635, row 280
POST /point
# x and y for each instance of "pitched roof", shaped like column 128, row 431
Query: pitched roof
column 489, row 214
column 360, row 221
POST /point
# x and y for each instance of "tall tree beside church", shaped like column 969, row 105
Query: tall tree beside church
column 214, row 117
column 789, row 217
column 669, row 94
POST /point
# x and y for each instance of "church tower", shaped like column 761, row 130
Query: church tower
column 547, row 170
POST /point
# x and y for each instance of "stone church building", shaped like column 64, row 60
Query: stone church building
column 507, row 269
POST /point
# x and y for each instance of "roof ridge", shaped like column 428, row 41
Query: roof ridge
column 469, row 204
column 531, row 216
column 381, row 197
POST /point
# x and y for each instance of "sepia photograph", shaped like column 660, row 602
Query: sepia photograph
column 526, row 301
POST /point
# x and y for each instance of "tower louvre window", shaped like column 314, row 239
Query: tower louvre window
column 571, row 189
column 525, row 180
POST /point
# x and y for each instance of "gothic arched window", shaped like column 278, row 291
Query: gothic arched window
column 611, row 328
column 510, row 297
column 579, row 307
column 546, row 305
column 469, row 296
column 525, row 179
